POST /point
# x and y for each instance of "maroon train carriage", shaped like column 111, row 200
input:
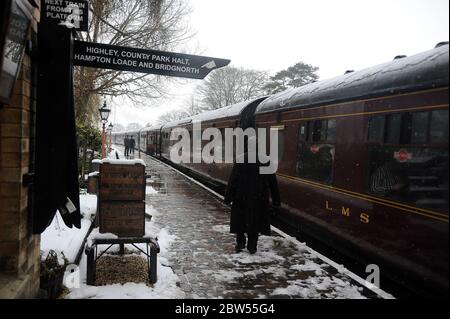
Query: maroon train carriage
column 365, row 165
column 149, row 140
column 216, row 174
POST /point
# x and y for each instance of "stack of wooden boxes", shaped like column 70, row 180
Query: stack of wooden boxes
column 122, row 198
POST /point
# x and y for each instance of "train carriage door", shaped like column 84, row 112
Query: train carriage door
column 148, row 143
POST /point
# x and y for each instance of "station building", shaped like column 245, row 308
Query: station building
column 19, row 247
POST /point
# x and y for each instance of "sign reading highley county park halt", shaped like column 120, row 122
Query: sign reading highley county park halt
column 119, row 58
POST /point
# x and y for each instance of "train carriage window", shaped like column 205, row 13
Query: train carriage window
column 419, row 127
column 331, row 131
column 317, row 131
column 323, row 131
column 281, row 144
column 416, row 171
column 439, row 126
column 310, row 130
column 376, row 128
column 316, row 151
column 303, row 131
column 393, row 128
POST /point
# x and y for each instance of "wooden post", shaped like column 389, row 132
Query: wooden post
column 90, row 267
column 153, row 264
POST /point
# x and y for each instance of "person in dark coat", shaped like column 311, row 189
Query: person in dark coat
column 126, row 143
column 248, row 191
column 132, row 144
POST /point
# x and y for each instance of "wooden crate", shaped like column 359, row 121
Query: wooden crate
column 122, row 199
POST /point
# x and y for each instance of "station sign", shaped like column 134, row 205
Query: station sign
column 12, row 47
column 119, row 58
column 73, row 14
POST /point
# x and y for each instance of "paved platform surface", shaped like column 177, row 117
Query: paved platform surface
column 203, row 255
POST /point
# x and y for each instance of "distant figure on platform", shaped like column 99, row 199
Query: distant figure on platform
column 248, row 191
column 126, row 143
column 132, row 145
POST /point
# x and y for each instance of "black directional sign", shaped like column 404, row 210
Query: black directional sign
column 104, row 56
column 71, row 14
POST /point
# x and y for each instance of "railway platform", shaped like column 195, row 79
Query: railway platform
column 203, row 256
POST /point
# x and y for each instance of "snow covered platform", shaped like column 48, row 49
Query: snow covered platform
column 202, row 255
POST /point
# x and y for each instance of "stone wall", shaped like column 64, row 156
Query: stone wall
column 19, row 249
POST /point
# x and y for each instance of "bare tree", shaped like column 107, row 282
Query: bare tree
column 134, row 127
column 172, row 116
column 150, row 24
column 231, row 85
column 118, row 127
column 193, row 107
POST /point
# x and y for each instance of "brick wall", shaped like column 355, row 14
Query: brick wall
column 19, row 249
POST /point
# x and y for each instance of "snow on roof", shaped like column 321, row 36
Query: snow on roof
column 224, row 112
column 126, row 132
column 152, row 128
column 187, row 120
column 424, row 70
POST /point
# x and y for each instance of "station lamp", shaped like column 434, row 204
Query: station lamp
column 104, row 115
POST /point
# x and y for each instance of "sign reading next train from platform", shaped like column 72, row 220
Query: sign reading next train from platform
column 104, row 56
column 72, row 14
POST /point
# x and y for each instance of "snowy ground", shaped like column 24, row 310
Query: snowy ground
column 60, row 238
column 195, row 260
column 165, row 288
column 315, row 281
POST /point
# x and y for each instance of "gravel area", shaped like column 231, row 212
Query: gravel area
column 121, row 270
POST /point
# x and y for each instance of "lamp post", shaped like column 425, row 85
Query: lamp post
column 110, row 129
column 104, row 114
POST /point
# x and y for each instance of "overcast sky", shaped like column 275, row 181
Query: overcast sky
column 336, row 36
